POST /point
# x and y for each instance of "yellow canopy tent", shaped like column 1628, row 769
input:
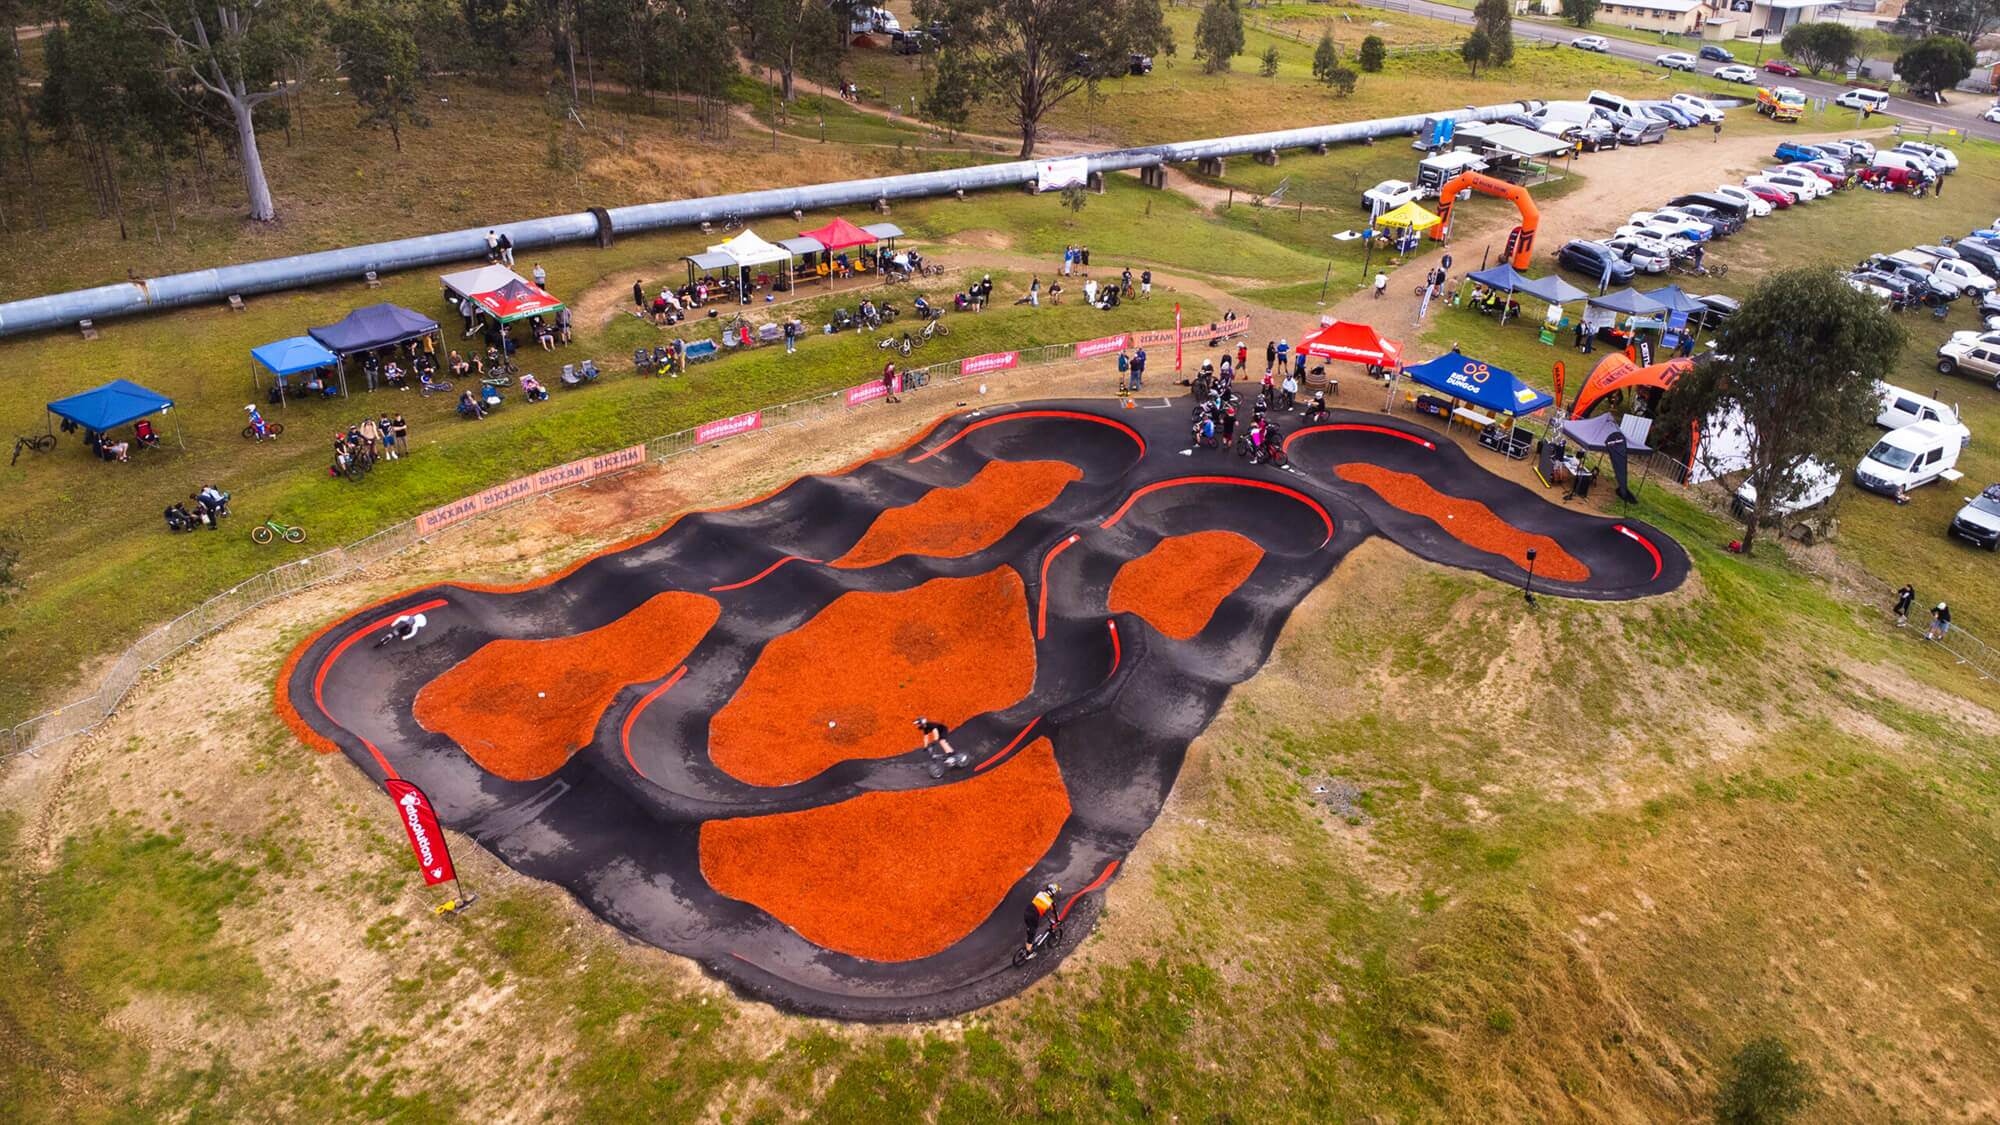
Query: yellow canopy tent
column 1408, row 215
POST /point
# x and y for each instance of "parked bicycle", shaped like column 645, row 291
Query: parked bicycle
column 429, row 387
column 40, row 443
column 271, row 529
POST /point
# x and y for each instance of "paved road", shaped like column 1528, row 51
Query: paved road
column 1962, row 114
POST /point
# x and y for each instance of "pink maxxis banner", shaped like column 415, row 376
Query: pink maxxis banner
column 1213, row 330
column 873, row 389
column 1103, row 345
column 728, row 427
column 981, row 364
column 534, row 484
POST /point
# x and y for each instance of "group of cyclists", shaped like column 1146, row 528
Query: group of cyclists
column 1218, row 405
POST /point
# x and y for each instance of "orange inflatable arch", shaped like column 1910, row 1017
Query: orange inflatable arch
column 1521, row 243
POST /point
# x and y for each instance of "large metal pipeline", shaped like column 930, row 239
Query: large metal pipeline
column 352, row 263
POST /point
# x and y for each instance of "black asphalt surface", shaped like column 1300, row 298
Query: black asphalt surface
column 622, row 834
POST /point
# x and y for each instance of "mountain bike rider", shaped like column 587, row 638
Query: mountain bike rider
column 258, row 426
column 403, row 628
column 1041, row 913
column 938, row 744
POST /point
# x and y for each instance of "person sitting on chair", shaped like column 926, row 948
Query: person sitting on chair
column 533, row 389
column 469, row 405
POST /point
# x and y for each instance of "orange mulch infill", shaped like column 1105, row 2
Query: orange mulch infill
column 900, row 875
column 950, row 522
column 521, row 708
column 1176, row 586
column 849, row 682
column 1468, row 521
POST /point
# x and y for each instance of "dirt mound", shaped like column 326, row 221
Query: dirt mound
column 894, row 876
column 521, row 708
column 950, row 522
column 847, row 683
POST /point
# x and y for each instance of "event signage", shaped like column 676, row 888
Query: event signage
column 995, row 361
column 728, row 427
column 1103, row 345
column 547, row 480
column 420, row 823
column 1055, row 175
column 874, row 389
column 1213, row 330
column 1561, row 376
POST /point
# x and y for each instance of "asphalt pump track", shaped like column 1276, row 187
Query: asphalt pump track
column 706, row 734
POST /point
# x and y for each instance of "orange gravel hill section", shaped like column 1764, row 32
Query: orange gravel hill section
column 1176, row 586
column 950, row 522
column 894, row 876
column 1467, row 521
column 521, row 708
column 848, row 683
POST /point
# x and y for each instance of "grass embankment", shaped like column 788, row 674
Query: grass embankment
column 98, row 568
column 1894, row 543
column 1569, row 861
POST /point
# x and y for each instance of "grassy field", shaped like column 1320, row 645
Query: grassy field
column 1842, row 229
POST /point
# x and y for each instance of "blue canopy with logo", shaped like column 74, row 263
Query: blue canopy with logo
column 1481, row 384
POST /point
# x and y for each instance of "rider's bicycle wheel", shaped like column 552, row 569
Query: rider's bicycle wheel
column 355, row 470
column 261, row 534
column 943, row 328
column 1718, row 270
column 1020, row 956
column 906, row 347
column 295, row 535
column 42, row 443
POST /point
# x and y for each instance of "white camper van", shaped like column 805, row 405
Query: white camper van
column 1908, row 458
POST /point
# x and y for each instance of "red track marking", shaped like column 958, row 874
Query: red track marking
column 625, row 732
column 1007, row 749
column 1392, row 432
column 1094, row 884
column 1265, row 485
column 326, row 665
column 983, row 422
column 1646, row 543
column 1116, row 652
column 762, row 574
column 1042, row 608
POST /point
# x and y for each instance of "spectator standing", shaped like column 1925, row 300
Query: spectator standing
column 492, row 245
column 639, row 296
column 507, row 250
column 1242, row 354
column 388, row 431
column 1284, row 353
column 541, row 277
column 470, row 312
column 402, row 431
column 1139, row 369
column 1146, row 283
column 1270, row 356
column 1083, row 256
column 370, row 434
column 1381, row 284
column 1940, row 623
column 1035, row 291
column 1904, row 597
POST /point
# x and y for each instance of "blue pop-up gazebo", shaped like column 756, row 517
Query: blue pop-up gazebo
column 114, row 404
column 292, row 356
column 1479, row 383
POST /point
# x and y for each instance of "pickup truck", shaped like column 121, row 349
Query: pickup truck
column 1389, row 195
column 1780, row 103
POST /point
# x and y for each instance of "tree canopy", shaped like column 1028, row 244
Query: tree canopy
column 1218, row 37
column 377, row 44
column 1798, row 363
column 1936, row 64
column 1966, row 19
column 1477, row 50
column 1036, row 54
column 1496, row 19
column 1372, row 55
column 1821, row 45
column 1580, row 13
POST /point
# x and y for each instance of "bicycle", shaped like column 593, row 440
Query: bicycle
column 40, row 443
column 271, row 529
column 731, row 220
column 429, row 387
column 916, row 378
column 1050, row 936
column 271, row 430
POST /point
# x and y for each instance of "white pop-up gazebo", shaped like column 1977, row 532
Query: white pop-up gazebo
column 749, row 251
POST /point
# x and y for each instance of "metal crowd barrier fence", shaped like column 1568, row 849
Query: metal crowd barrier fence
column 80, row 716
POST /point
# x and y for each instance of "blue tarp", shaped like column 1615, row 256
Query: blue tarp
column 1675, row 300
column 1481, row 384
column 1628, row 301
column 289, row 357
column 372, row 327
column 1552, row 289
column 1502, row 276
column 111, row 405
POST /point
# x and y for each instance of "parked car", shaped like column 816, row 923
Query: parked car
column 1908, row 458
column 1978, row 522
column 1673, row 115
column 1790, row 151
column 1591, row 43
column 1675, row 60
column 1941, row 157
column 1874, row 101
column 1887, row 285
column 1593, row 259
column 1980, row 361
column 1901, row 407
column 1713, row 53
column 1718, row 309
column 1991, row 114
column 1736, row 73
column 1702, row 222
column 1869, row 282
column 1860, row 150
column 1389, row 195
column 1795, row 192
column 1700, row 108
column 1982, row 256
column 1725, row 223
column 1810, row 183
column 1759, row 207
column 1646, row 254
column 1817, row 483
column 1591, row 136
column 1781, row 67
column 1776, row 197
column 1139, row 66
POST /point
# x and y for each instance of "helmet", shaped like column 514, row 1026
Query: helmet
column 250, row 408
column 920, row 721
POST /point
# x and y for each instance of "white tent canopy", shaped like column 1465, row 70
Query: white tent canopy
column 482, row 279
column 748, row 250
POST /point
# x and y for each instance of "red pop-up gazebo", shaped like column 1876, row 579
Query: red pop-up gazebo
column 1349, row 342
column 838, row 235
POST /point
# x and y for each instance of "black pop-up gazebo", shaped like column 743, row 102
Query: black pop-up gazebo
column 375, row 326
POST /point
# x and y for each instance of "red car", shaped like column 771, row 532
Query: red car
column 1777, row 199
column 1780, row 66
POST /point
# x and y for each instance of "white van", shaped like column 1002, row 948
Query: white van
column 1902, row 407
column 1907, row 161
column 1614, row 103
column 1907, row 458
column 1941, row 158
column 1874, row 101
column 1817, row 484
